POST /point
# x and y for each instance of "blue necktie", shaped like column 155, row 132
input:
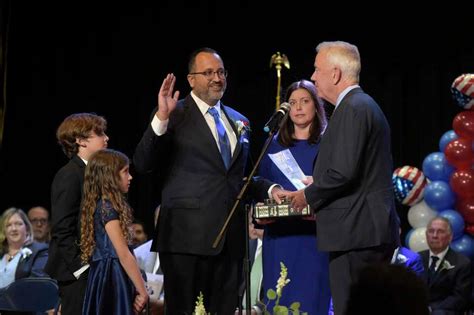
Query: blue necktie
column 224, row 143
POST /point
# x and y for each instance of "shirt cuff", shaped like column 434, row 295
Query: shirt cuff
column 159, row 126
column 80, row 271
column 269, row 192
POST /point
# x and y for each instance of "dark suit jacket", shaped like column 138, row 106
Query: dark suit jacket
column 66, row 193
column 198, row 192
column 33, row 265
column 449, row 289
column 352, row 190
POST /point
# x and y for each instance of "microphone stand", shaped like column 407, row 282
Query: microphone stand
column 236, row 204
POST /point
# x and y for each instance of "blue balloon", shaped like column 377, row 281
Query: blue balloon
column 438, row 195
column 446, row 138
column 436, row 167
column 456, row 220
column 464, row 245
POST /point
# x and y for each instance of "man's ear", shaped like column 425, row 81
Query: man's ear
column 336, row 75
column 190, row 78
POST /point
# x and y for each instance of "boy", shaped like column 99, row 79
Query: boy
column 80, row 135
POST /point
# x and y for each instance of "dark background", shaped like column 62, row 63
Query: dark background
column 111, row 59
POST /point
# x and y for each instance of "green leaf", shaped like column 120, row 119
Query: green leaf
column 295, row 306
column 280, row 310
column 271, row 294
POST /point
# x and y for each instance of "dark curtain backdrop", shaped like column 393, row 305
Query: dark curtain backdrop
column 111, row 59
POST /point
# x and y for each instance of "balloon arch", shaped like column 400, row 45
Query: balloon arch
column 445, row 186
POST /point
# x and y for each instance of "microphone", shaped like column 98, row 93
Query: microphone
column 277, row 117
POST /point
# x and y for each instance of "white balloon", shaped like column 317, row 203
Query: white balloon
column 417, row 241
column 420, row 214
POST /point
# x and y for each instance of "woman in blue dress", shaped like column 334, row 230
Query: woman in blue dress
column 115, row 285
column 293, row 240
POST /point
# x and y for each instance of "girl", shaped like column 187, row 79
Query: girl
column 105, row 222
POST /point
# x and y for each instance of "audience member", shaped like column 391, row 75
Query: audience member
column 139, row 235
column 39, row 218
column 149, row 262
column 256, row 270
column 387, row 290
column 80, row 135
column 292, row 240
column 20, row 255
column 115, row 284
column 447, row 273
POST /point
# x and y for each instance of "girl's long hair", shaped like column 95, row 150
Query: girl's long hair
column 101, row 182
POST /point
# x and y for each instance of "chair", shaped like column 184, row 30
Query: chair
column 29, row 295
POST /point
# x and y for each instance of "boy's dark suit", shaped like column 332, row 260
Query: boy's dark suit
column 198, row 191
column 64, row 252
column 450, row 287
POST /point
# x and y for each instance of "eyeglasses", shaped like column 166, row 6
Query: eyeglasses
column 39, row 221
column 209, row 74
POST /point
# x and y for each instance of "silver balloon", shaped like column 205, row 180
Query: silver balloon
column 417, row 241
column 420, row 214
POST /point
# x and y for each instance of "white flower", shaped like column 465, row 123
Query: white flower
column 282, row 281
column 25, row 252
column 446, row 265
column 199, row 309
column 242, row 126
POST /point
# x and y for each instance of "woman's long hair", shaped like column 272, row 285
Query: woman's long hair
column 101, row 182
column 285, row 136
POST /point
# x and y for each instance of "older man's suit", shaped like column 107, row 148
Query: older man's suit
column 352, row 191
column 198, row 191
column 450, row 287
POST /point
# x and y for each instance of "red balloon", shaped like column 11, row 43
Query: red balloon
column 463, row 124
column 459, row 153
column 466, row 208
column 462, row 183
column 469, row 229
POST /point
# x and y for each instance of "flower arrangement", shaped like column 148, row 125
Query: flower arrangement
column 25, row 252
column 446, row 265
column 278, row 309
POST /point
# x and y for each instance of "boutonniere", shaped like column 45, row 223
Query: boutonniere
column 25, row 252
column 242, row 127
column 446, row 266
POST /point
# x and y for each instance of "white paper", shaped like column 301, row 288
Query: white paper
column 155, row 283
column 287, row 164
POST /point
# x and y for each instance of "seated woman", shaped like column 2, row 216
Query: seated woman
column 20, row 256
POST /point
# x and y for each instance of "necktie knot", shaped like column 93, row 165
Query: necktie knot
column 224, row 143
column 213, row 112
